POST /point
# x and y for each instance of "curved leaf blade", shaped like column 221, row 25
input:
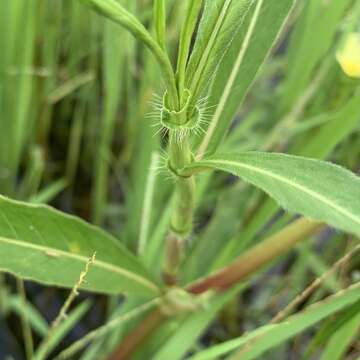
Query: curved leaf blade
column 42, row 244
column 114, row 11
column 313, row 188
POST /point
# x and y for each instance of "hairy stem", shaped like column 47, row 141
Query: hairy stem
column 184, row 203
column 180, row 156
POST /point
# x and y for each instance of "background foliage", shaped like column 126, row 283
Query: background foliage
column 77, row 96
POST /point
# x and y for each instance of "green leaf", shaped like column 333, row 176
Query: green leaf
column 267, row 337
column 308, row 47
column 247, row 52
column 219, row 22
column 113, row 57
column 187, row 29
column 160, row 22
column 41, row 244
column 341, row 340
column 112, row 10
column 338, row 126
column 56, row 335
column 313, row 188
column 219, row 350
column 37, row 322
column 330, row 327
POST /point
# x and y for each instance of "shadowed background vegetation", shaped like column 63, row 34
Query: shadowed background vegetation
column 78, row 131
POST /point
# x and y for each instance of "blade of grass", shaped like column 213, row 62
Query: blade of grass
column 148, row 204
column 115, row 12
column 25, row 324
column 61, row 331
column 99, row 332
column 37, row 322
column 113, row 62
column 265, row 338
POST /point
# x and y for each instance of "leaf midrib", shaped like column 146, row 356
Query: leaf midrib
column 220, row 162
column 98, row 263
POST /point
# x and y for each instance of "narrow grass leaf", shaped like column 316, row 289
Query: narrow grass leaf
column 329, row 328
column 341, row 340
column 49, row 192
column 58, row 334
column 113, row 57
column 308, row 47
column 112, row 10
column 256, row 343
column 337, row 127
column 37, row 322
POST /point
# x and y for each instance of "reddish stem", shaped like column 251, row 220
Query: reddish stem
column 258, row 256
column 138, row 335
column 248, row 263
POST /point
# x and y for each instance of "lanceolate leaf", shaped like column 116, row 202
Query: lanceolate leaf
column 313, row 188
column 42, row 244
column 319, row 145
column 244, row 57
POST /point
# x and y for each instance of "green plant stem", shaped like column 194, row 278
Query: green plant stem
column 45, row 346
column 26, row 329
column 180, row 155
column 117, row 13
column 132, row 341
column 257, row 257
column 184, row 203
